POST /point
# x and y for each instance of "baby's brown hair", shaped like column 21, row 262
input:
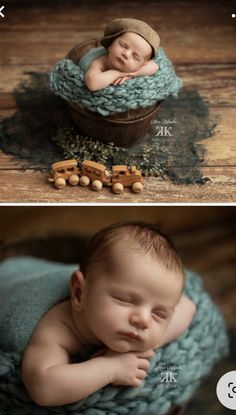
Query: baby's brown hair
column 133, row 236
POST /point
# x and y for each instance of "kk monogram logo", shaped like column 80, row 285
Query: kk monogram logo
column 163, row 131
column 169, row 377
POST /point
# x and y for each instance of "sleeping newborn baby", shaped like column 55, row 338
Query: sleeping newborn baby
column 131, row 44
column 126, row 300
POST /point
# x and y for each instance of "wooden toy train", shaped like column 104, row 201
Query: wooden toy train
column 121, row 176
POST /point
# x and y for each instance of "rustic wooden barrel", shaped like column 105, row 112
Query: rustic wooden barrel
column 123, row 129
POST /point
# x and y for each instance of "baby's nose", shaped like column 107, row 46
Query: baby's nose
column 126, row 54
column 140, row 319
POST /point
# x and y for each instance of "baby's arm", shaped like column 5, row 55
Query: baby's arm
column 52, row 380
column 96, row 78
column 180, row 321
column 149, row 68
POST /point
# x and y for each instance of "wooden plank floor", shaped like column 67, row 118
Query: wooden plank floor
column 199, row 37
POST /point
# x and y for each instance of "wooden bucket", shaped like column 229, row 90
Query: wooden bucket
column 123, row 129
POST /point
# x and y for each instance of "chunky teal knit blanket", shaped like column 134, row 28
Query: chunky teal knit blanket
column 67, row 81
column 29, row 287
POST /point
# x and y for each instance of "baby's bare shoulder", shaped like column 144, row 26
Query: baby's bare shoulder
column 55, row 328
column 98, row 65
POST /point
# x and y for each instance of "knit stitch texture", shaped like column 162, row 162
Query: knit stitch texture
column 190, row 357
column 67, row 81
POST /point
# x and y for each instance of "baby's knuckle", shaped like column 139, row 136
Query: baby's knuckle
column 147, row 364
column 136, row 383
column 143, row 374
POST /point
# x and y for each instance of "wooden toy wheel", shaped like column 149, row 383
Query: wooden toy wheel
column 137, row 187
column 84, row 180
column 60, row 183
column 74, row 179
column 96, row 185
column 118, row 188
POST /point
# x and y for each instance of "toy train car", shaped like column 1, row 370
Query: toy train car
column 97, row 174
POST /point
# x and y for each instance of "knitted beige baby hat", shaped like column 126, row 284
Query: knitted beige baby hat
column 118, row 26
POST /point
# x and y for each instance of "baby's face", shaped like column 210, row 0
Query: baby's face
column 130, row 309
column 129, row 52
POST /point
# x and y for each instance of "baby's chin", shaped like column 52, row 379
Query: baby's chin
column 126, row 348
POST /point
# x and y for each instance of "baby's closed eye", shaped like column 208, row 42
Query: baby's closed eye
column 123, row 299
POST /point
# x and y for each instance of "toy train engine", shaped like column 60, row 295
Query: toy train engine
column 122, row 176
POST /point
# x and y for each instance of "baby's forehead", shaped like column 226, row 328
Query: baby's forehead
column 130, row 252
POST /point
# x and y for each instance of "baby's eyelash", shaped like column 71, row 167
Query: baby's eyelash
column 123, row 299
column 160, row 315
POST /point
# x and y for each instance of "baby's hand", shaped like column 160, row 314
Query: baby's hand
column 129, row 368
column 121, row 79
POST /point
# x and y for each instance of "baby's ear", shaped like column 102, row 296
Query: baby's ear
column 77, row 286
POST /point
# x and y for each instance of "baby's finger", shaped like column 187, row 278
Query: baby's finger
column 144, row 364
column 119, row 81
column 126, row 79
column 148, row 354
column 141, row 374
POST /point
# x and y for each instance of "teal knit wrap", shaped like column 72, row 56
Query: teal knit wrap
column 67, row 81
column 34, row 285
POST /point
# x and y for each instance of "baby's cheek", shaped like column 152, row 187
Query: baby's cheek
column 158, row 333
